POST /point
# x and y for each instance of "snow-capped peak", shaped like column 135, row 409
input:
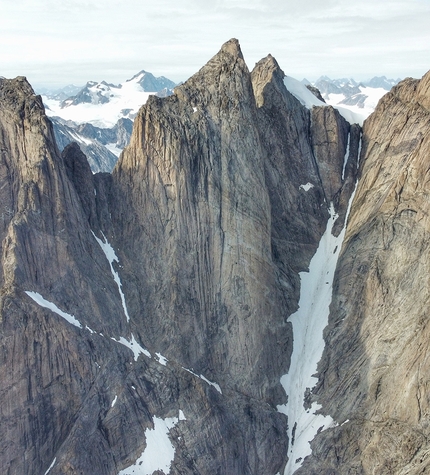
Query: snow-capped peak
column 137, row 77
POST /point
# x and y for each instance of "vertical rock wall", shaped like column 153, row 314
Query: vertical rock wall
column 374, row 375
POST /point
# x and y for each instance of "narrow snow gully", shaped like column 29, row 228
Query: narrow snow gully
column 308, row 345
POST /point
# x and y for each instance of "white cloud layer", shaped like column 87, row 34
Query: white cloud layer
column 73, row 41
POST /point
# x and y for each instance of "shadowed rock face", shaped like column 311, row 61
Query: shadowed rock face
column 190, row 252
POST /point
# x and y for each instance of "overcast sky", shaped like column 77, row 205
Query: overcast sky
column 59, row 42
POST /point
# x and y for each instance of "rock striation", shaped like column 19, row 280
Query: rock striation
column 153, row 302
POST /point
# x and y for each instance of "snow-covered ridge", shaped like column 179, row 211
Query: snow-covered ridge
column 354, row 101
column 309, row 100
column 103, row 104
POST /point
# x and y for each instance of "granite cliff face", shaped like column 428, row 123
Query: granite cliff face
column 374, row 374
column 153, row 303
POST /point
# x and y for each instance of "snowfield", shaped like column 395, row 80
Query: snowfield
column 109, row 103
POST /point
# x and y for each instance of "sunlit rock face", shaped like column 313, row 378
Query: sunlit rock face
column 150, row 307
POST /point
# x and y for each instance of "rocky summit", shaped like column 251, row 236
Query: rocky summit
column 163, row 318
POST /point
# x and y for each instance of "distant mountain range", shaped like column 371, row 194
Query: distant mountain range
column 59, row 94
column 103, row 104
column 99, row 115
column 102, row 146
column 360, row 97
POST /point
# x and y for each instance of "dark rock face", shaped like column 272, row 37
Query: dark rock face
column 158, row 295
column 200, row 163
column 316, row 92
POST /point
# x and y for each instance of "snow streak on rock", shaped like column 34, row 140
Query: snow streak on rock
column 51, row 306
column 308, row 324
column 111, row 257
column 345, row 160
column 200, row 376
column 133, row 345
column 52, row 464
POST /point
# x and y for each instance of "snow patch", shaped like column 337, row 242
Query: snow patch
column 111, row 257
column 161, row 359
column 159, row 452
column 114, row 401
column 306, row 187
column 134, row 346
column 51, row 306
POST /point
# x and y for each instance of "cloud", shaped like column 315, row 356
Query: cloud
column 78, row 40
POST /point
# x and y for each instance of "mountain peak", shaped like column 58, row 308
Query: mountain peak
column 270, row 63
column 232, row 47
column 266, row 71
column 19, row 85
column 227, row 68
column 424, row 91
column 138, row 76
